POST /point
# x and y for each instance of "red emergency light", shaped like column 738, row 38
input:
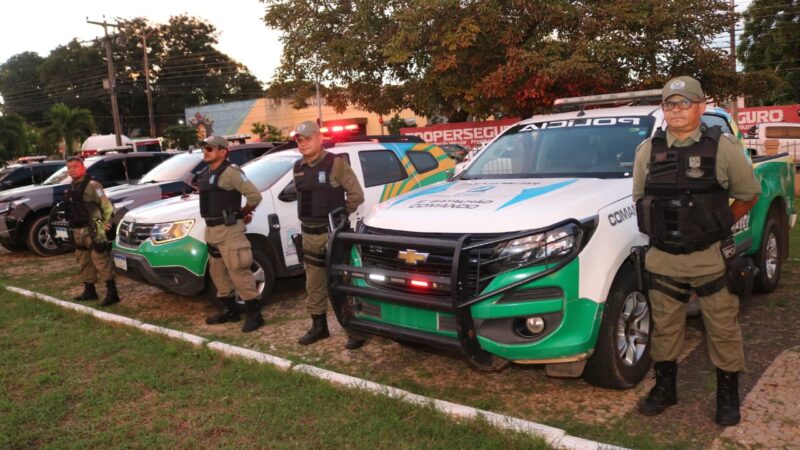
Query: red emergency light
column 419, row 283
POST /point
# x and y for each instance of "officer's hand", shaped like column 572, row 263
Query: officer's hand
column 107, row 226
column 248, row 218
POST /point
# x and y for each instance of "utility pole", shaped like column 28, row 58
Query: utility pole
column 735, row 100
column 112, row 85
column 148, row 91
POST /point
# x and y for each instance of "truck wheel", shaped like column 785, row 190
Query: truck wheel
column 622, row 354
column 769, row 259
column 14, row 246
column 39, row 240
column 264, row 273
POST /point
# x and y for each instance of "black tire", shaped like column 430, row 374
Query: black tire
column 769, row 258
column 39, row 240
column 621, row 355
column 14, row 247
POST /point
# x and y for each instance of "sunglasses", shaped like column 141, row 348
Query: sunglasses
column 683, row 105
column 209, row 149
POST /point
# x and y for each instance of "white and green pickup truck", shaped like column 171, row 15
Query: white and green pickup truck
column 526, row 256
column 163, row 243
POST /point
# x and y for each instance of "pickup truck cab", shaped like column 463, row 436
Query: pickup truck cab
column 163, row 243
column 526, row 256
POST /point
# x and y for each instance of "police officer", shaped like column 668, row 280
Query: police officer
column 324, row 183
column 221, row 187
column 683, row 179
column 88, row 213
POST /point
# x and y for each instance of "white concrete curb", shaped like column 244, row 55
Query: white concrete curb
column 232, row 350
column 555, row 437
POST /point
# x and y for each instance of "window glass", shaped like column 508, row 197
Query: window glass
column 381, row 167
column 597, row 147
column 422, row 161
column 174, row 168
column 109, row 172
column 266, row 171
column 712, row 120
column 16, row 177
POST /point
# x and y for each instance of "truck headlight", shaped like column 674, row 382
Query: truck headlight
column 535, row 248
column 170, row 231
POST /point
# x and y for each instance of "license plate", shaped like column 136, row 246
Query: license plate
column 61, row 233
column 121, row 262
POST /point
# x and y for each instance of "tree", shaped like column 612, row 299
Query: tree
column 68, row 124
column 186, row 70
column 461, row 59
column 180, row 136
column 395, row 123
column 267, row 132
column 770, row 46
column 12, row 137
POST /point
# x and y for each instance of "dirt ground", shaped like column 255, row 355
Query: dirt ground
column 769, row 325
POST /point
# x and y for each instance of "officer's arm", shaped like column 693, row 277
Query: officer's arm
column 640, row 169
column 738, row 170
column 106, row 208
column 344, row 175
column 235, row 179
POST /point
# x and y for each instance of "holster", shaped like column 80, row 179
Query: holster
column 297, row 240
column 739, row 270
column 213, row 251
column 229, row 218
column 642, row 280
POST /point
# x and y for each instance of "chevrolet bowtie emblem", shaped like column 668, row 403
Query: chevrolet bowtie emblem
column 411, row 257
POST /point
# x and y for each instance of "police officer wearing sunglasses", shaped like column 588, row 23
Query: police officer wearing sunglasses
column 684, row 178
column 221, row 187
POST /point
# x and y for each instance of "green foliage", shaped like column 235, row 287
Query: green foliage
column 13, row 138
column 460, row 59
column 72, row 125
column 770, row 47
column 267, row 132
column 186, row 69
column 180, row 136
column 395, row 123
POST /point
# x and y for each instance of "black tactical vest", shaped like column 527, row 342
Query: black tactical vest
column 684, row 208
column 214, row 199
column 316, row 197
column 79, row 213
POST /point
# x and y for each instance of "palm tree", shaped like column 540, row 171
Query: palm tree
column 12, row 136
column 69, row 124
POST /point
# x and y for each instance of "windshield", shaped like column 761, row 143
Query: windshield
column 172, row 169
column 265, row 171
column 597, row 147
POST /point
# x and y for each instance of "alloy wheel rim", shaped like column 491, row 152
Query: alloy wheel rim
column 633, row 328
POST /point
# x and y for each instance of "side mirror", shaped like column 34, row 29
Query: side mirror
column 288, row 194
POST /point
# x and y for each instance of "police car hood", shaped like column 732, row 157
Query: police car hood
column 169, row 210
column 27, row 191
column 492, row 206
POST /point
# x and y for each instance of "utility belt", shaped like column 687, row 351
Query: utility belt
column 227, row 218
column 94, row 228
column 682, row 248
column 738, row 278
column 315, row 229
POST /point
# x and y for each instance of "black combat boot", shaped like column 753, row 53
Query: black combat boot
column 727, row 398
column 229, row 312
column 253, row 319
column 112, row 296
column 664, row 392
column 88, row 293
column 318, row 330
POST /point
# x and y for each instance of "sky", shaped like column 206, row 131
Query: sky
column 40, row 26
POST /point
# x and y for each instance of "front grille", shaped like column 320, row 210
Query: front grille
column 133, row 234
column 437, row 263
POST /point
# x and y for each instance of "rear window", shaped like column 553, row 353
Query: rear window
column 381, row 167
column 422, row 161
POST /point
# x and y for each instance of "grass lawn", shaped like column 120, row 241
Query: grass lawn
column 69, row 381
